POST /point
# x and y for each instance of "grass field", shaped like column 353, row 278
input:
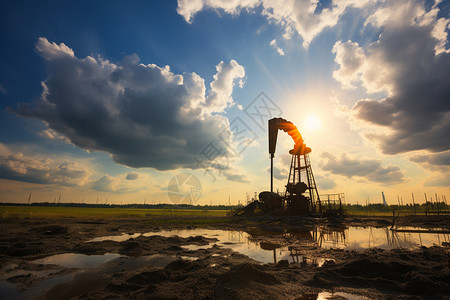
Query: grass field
column 25, row 212
column 370, row 213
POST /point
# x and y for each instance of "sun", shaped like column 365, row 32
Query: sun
column 312, row 123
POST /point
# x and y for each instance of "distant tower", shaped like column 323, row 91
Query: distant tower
column 384, row 199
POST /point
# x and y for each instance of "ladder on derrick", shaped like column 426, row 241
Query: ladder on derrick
column 301, row 170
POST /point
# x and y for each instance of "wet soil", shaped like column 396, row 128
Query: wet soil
column 216, row 272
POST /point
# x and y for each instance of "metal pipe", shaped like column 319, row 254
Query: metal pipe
column 271, row 172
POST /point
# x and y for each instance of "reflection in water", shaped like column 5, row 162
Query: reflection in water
column 76, row 260
column 327, row 295
column 267, row 246
column 116, row 238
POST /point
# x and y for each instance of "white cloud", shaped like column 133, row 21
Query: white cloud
column 188, row 8
column 306, row 17
column 273, row 43
column 219, row 97
column 143, row 115
column 51, row 51
column 122, row 183
column 350, row 58
column 16, row 166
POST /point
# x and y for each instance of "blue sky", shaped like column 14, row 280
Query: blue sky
column 112, row 100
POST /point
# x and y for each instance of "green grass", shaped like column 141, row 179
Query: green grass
column 370, row 213
column 26, row 212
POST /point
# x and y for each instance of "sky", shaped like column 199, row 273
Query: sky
column 168, row 101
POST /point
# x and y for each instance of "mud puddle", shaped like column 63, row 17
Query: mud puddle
column 76, row 260
column 266, row 246
column 327, row 295
column 80, row 267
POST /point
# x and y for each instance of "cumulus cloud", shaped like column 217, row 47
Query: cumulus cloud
column 131, row 182
column 306, row 17
column 234, row 175
column 350, row 58
column 409, row 63
column 143, row 115
column 132, row 176
column 370, row 169
column 41, row 171
column 188, row 8
column 439, row 159
column 279, row 173
column 324, row 183
column 435, row 162
column 273, row 43
column 441, row 180
column 219, row 97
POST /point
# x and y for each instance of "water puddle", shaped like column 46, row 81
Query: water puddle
column 90, row 276
column 12, row 292
column 353, row 238
column 75, row 260
column 195, row 247
column 252, row 243
column 348, row 296
column 327, row 295
column 116, row 238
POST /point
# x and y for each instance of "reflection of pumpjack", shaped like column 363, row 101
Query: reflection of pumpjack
column 310, row 240
column 336, row 237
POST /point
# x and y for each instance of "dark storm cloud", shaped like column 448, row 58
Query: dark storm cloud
column 370, row 169
column 143, row 115
column 439, row 159
column 409, row 62
column 418, row 111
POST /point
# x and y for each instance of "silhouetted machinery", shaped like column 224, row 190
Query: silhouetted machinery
column 301, row 195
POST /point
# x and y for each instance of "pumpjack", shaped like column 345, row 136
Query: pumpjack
column 300, row 195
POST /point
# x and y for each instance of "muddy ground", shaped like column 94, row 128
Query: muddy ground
column 218, row 272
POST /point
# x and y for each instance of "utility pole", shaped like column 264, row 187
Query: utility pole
column 437, row 203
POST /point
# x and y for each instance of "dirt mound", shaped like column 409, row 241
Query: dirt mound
column 241, row 275
column 239, row 278
column 50, row 229
column 420, row 272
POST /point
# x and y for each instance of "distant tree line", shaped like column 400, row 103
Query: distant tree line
column 378, row 207
column 132, row 206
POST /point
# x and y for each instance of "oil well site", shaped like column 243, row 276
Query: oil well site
column 292, row 245
column 225, row 149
